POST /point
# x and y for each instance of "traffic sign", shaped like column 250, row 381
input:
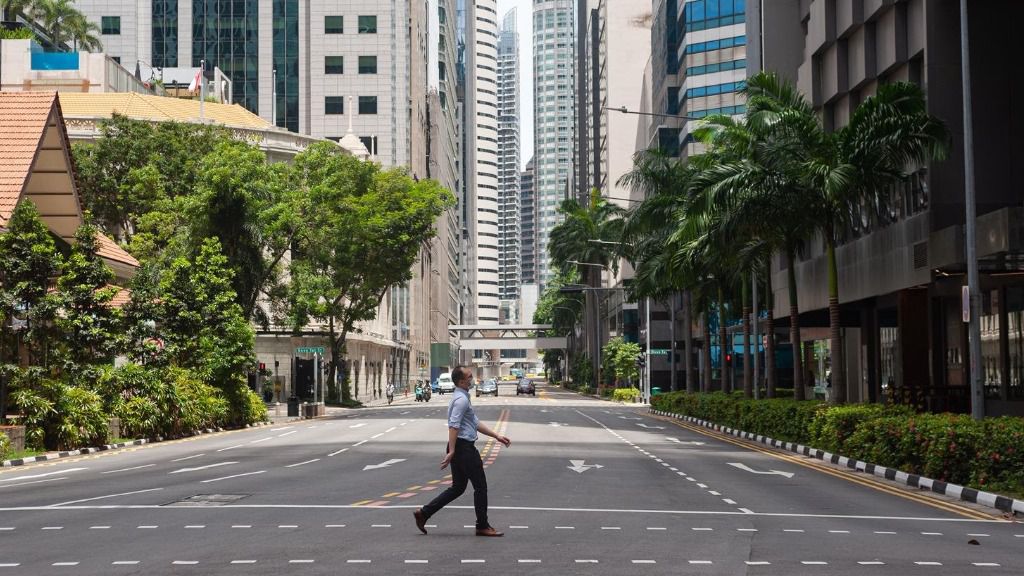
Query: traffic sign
column 659, row 352
column 309, row 350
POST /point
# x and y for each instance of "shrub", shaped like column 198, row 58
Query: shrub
column 58, row 416
column 5, row 446
column 999, row 464
column 833, row 425
column 626, row 395
column 17, row 34
column 246, row 406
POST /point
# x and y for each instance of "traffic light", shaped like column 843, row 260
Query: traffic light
column 728, row 359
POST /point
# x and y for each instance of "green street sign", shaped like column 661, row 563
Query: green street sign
column 310, row 350
column 659, row 351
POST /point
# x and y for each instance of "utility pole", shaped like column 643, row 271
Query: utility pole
column 973, row 284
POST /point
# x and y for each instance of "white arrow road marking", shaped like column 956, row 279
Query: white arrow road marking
column 42, row 475
column 360, row 425
column 742, row 466
column 579, row 467
column 234, row 476
column 202, row 467
column 650, row 427
column 684, row 442
column 383, row 464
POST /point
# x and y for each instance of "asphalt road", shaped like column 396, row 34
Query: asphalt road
column 587, row 487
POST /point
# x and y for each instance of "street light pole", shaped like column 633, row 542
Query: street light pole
column 973, row 284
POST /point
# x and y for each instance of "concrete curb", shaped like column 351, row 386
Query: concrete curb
column 1003, row 503
column 105, row 447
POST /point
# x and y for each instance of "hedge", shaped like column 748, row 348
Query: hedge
column 987, row 455
column 5, row 446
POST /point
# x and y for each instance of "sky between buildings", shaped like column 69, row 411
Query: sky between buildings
column 525, row 25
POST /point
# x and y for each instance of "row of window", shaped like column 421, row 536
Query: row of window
column 727, row 110
column 336, row 105
column 714, row 90
column 336, row 24
column 336, row 65
column 719, row 67
column 711, row 45
column 110, row 25
column 704, row 10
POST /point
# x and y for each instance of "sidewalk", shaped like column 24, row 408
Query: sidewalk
column 278, row 413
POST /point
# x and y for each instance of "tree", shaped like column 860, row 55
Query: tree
column 88, row 323
column 200, row 322
column 621, row 359
column 363, row 230
column 28, row 260
column 249, row 206
column 84, row 35
column 840, row 171
column 136, row 168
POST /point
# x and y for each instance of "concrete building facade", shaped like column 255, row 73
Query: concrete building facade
column 509, row 217
column 554, row 84
column 528, row 225
column 901, row 269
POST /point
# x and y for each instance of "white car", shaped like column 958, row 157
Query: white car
column 445, row 384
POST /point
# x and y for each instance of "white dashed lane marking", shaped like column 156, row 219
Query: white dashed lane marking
column 301, row 561
column 185, row 562
column 65, row 564
column 302, row 463
column 417, row 561
column 232, row 476
column 243, row 561
column 125, row 563
column 473, row 561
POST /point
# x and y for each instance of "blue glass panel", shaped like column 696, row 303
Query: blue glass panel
column 55, row 60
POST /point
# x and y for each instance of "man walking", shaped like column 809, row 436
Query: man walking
column 467, row 466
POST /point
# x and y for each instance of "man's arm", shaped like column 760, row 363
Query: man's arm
column 486, row 431
column 453, row 435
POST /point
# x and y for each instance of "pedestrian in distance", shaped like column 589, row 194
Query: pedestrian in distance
column 464, row 458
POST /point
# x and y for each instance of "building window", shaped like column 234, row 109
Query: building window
column 334, row 24
column 370, row 142
column 367, row 24
column 334, row 65
column 116, row 59
column 367, row 104
column 110, row 25
column 334, row 105
column 367, row 64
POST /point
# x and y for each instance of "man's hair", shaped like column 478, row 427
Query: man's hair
column 460, row 373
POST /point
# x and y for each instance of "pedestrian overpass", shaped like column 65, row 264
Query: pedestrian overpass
column 508, row 337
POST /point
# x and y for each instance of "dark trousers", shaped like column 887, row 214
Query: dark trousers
column 467, row 466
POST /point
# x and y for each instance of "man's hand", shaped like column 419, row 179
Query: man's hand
column 504, row 440
column 447, row 460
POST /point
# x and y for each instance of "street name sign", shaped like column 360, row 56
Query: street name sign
column 309, row 350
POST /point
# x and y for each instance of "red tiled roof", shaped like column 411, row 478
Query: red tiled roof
column 111, row 251
column 23, row 118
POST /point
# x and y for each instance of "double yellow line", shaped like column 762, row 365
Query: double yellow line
column 848, row 476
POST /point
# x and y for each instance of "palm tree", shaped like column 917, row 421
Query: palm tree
column 888, row 134
column 84, row 35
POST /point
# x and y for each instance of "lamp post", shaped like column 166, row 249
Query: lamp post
column 576, row 289
column 973, row 283
column 596, row 338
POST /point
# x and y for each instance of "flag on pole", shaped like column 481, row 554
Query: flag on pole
column 196, row 82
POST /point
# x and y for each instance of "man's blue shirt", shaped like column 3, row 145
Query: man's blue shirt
column 462, row 416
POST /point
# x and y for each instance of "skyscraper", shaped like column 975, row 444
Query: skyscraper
column 510, row 231
column 553, row 97
column 482, row 155
column 528, row 224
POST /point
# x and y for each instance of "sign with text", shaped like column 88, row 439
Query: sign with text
column 309, row 350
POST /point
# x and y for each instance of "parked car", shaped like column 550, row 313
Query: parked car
column 489, row 386
column 445, row 384
column 525, row 386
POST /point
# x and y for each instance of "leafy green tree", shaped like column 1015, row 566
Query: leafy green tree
column 251, row 207
column 29, row 259
column 142, row 337
column 88, row 324
column 135, row 167
column 620, row 359
column 363, row 230
column 200, row 322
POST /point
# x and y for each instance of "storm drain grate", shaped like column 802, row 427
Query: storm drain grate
column 208, row 500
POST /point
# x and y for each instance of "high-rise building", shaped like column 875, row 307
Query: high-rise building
column 554, row 115
column 528, row 224
column 296, row 61
column 482, row 156
column 510, row 229
column 384, row 67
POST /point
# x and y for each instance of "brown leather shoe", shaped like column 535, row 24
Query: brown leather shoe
column 421, row 520
column 490, row 532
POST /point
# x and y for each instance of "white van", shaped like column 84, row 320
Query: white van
column 445, row 383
